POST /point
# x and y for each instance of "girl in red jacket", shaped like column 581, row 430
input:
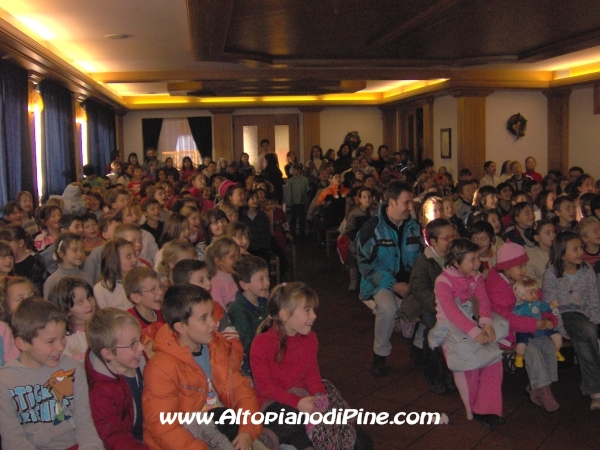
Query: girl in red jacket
column 283, row 358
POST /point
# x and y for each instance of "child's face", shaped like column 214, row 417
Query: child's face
column 125, row 360
column 83, row 306
column 491, row 201
column 445, row 236
column 45, row 348
column 121, row 202
column 366, row 198
column 434, row 211
column 237, row 197
column 17, row 293
column 153, row 212
column 90, row 230
column 52, row 222
column 199, row 182
column 526, row 218
column 135, row 238
column 259, row 284
column 242, row 241
column 574, row 252
column 467, row 193
column 6, row 264
column 76, row 227
column 505, row 194
column 370, row 182
column 587, row 186
column 448, row 209
column 74, row 255
column 566, row 211
column 535, row 191
column 200, row 327
column 160, row 196
column 491, row 170
column 470, row 264
column 494, row 221
column 517, row 169
column 184, row 234
column 201, row 278
column 26, row 203
column 482, row 240
column 226, row 263
column 16, row 216
column 137, row 173
column 268, row 205
column 300, row 320
column 150, row 295
column 520, row 198
column 217, row 227
column 127, row 258
column 550, row 200
column 194, row 222
column 593, row 235
column 547, row 235
column 516, row 273
column 530, row 295
column 253, row 201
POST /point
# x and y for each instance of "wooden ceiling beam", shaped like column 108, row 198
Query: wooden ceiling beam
column 208, row 25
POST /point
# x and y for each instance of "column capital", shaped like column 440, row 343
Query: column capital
column 470, row 92
column 311, row 109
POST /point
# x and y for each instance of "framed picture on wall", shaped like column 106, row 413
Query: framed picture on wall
column 446, row 143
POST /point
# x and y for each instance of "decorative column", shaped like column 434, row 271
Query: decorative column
column 77, row 98
column 558, row 128
column 35, row 105
column 311, row 128
column 428, row 128
column 389, row 122
column 222, row 139
column 471, row 130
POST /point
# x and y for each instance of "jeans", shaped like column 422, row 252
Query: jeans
column 297, row 213
column 584, row 337
column 385, row 319
column 540, row 362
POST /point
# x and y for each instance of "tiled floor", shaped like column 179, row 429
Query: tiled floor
column 345, row 330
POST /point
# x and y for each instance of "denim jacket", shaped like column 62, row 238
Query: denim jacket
column 380, row 257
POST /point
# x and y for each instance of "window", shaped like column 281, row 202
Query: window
column 176, row 141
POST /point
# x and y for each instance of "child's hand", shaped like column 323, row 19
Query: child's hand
column 481, row 338
column 549, row 325
column 554, row 304
column 306, row 404
column 490, row 333
column 402, row 289
column 540, row 324
column 242, row 441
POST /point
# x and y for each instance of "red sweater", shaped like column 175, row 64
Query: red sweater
column 298, row 368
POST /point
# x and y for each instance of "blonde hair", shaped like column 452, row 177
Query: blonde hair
column 286, row 296
column 5, row 284
column 216, row 250
column 524, row 286
column 101, row 328
column 585, row 224
column 170, row 253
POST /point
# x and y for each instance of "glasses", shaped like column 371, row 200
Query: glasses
column 154, row 290
column 133, row 346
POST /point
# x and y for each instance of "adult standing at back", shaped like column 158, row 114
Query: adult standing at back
column 388, row 245
column 530, row 172
column 265, row 146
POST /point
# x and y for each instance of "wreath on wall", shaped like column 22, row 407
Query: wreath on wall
column 352, row 139
column 516, row 125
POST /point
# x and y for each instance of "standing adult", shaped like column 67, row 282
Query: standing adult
column 151, row 157
column 388, row 245
column 273, row 175
column 266, row 149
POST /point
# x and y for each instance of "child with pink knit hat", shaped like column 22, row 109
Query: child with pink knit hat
column 540, row 354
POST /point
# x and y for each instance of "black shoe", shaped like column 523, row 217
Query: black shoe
column 363, row 440
column 437, row 386
column 449, row 380
column 379, row 369
column 490, row 421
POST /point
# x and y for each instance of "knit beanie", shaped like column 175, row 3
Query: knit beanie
column 223, row 187
column 510, row 255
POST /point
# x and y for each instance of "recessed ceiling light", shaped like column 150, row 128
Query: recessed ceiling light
column 118, row 36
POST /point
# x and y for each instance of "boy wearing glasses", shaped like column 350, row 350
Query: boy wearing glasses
column 44, row 394
column 114, row 365
column 144, row 289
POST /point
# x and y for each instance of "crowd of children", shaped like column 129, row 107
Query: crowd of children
column 155, row 295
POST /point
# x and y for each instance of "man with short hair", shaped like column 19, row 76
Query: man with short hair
column 151, row 156
column 265, row 146
column 388, row 245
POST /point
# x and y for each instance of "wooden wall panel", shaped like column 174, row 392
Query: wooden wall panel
column 428, row 129
column 558, row 128
column 311, row 129
column 389, row 122
column 222, row 141
column 471, row 134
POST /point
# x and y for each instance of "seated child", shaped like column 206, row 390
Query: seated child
column 91, row 234
column 190, row 352
column 482, row 234
column 133, row 233
column 144, row 289
column 58, row 416
column 221, row 257
column 240, row 233
column 564, row 213
column 114, row 366
column 75, row 298
column 249, row 308
column 118, row 258
column 91, row 266
column 528, row 305
column 69, row 256
column 153, row 224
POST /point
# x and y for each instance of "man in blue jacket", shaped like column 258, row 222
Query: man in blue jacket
column 388, row 245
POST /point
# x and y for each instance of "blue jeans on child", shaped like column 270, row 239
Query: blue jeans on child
column 523, row 338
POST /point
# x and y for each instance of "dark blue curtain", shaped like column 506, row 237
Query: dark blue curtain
column 16, row 156
column 58, row 160
column 201, row 128
column 101, row 134
column 150, row 134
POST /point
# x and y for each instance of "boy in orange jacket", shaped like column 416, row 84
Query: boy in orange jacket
column 193, row 370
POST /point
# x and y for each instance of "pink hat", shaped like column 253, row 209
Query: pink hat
column 224, row 186
column 510, row 255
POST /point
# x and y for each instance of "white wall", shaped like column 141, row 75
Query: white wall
column 584, row 132
column 445, row 116
column 337, row 122
column 500, row 144
column 132, row 125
